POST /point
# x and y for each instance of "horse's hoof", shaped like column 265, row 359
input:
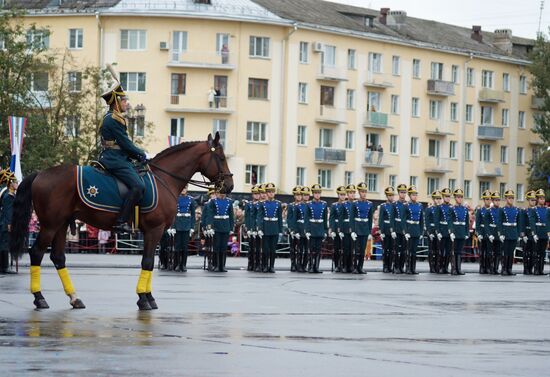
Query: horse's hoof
column 151, row 301
column 41, row 303
column 78, row 304
column 143, row 303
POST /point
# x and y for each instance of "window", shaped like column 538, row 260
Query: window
column 484, row 185
column 76, row 37
column 394, row 146
column 375, row 62
column 454, row 74
column 178, row 83
column 452, row 149
column 469, row 113
column 75, row 81
column 503, row 154
column 433, row 184
column 254, row 174
column 72, row 126
column 452, row 184
column 414, row 146
column 304, row 52
column 257, row 88
column 454, row 111
column 394, row 104
column 38, row 39
column 467, row 188
column 486, row 115
column 415, row 112
column 433, row 148
column 349, row 139
column 324, row 178
column 470, row 77
column 350, row 99
column 220, row 125
column 395, row 65
column 351, row 59
column 502, row 187
column 468, row 155
column 521, row 119
column 437, row 71
column 132, row 39
column 138, row 126
column 392, row 180
column 255, row 132
column 522, row 85
column 487, row 79
column 413, row 180
column 519, row 192
column 416, row 68
column 177, row 127
column 301, row 135
column 348, row 177
column 506, row 82
column 520, row 156
column 40, row 81
column 327, row 95
column 179, row 44
column 300, row 176
column 372, row 182
column 302, row 92
column 485, row 152
column 329, row 55
column 435, row 107
column 373, row 101
column 259, row 47
column 222, row 40
column 505, row 117
column 325, row 138
column 133, row 81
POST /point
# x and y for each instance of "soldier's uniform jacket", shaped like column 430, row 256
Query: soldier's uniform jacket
column 269, row 218
column 185, row 218
column 220, row 215
column 114, row 132
column 362, row 212
column 334, row 219
column 525, row 216
column 250, row 215
column 460, row 222
column 385, row 218
column 429, row 220
column 492, row 218
column 442, row 217
column 6, row 213
column 299, row 218
column 398, row 217
column 481, row 221
column 204, row 214
column 346, row 218
column 540, row 221
column 509, row 225
column 414, row 219
column 317, row 218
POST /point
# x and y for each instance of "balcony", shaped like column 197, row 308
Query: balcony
column 377, row 80
column 442, row 128
column 331, row 115
column 199, row 104
column 437, row 165
column 202, row 59
column 535, row 139
column 376, row 160
column 536, row 102
column 489, row 170
column 330, row 156
column 374, row 119
column 491, row 95
column 332, row 73
column 441, row 88
column 490, row 133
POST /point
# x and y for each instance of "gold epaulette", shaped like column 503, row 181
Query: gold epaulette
column 119, row 118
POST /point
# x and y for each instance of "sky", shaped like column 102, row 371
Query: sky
column 520, row 16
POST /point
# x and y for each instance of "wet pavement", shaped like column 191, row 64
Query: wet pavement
column 283, row 324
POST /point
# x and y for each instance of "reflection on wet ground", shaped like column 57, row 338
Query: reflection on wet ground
column 287, row 324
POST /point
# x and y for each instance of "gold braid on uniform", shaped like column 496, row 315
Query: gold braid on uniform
column 119, row 117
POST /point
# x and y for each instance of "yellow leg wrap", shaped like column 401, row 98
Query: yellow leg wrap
column 142, row 281
column 35, row 279
column 66, row 281
column 149, row 283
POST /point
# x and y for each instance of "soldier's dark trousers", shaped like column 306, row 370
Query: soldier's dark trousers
column 399, row 254
column 251, row 253
column 413, row 248
column 540, row 254
column 387, row 253
column 182, row 249
column 360, row 246
column 269, row 252
column 347, row 254
column 293, row 253
column 528, row 256
column 302, row 253
column 495, row 255
column 484, row 256
column 432, row 253
column 258, row 266
column 220, row 250
column 336, row 256
column 458, row 247
column 4, row 261
column 315, row 253
column 508, row 249
column 444, row 255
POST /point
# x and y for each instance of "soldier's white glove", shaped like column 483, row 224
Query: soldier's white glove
column 439, row 236
column 308, row 235
column 501, row 238
column 254, row 234
column 407, row 236
column 212, row 232
column 333, row 235
column 536, row 238
column 353, row 236
column 171, row 231
column 369, row 237
column 231, row 233
column 260, row 233
column 452, row 236
column 431, row 237
column 525, row 239
column 393, row 235
column 480, row 237
column 341, row 234
column 248, row 233
column 297, row 235
column 491, row 238
column 382, row 236
column 191, row 231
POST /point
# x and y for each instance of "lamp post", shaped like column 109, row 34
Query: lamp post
column 136, row 119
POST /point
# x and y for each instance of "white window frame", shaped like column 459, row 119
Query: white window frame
column 324, row 178
column 350, row 99
column 256, row 132
column 221, row 126
column 432, row 184
column 350, row 140
column 304, row 52
column 484, row 111
column 413, row 180
column 519, row 192
column 468, row 151
column 506, row 82
column 467, row 189
column 452, row 184
column 436, row 72
column 140, row 36
column 329, row 56
column 522, row 84
column 392, row 180
column 371, row 179
column 300, row 176
column 416, row 70
column 520, row 156
column 435, row 109
column 415, row 107
column 375, row 64
column 352, row 59
column 259, row 47
column 348, row 177
column 521, row 119
column 395, row 65
column 394, row 144
column 394, row 104
column 180, row 127
column 78, row 38
column 260, row 173
column 503, row 154
column 302, row 92
column 73, row 78
column 487, row 79
column 454, row 111
column 455, row 75
column 301, row 137
column 453, row 144
column 415, row 146
column 470, row 77
column 505, row 117
column 132, row 81
column 485, row 153
column 326, row 137
column 469, row 113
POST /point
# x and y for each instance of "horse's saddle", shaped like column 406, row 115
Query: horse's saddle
column 99, row 189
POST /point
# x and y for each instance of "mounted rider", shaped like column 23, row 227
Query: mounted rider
column 117, row 154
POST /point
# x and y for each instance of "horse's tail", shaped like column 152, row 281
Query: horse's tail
column 22, row 211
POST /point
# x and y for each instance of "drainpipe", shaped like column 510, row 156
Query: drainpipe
column 462, row 133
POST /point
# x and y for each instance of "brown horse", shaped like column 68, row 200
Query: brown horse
column 53, row 192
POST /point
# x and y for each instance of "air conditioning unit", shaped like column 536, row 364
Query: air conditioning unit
column 317, row 47
column 164, row 45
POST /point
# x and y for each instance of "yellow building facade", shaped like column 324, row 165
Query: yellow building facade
column 300, row 103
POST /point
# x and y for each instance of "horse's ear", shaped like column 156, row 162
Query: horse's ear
column 209, row 139
column 217, row 139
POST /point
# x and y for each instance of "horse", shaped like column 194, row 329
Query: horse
column 53, row 193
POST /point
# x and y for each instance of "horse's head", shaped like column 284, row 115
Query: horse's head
column 213, row 165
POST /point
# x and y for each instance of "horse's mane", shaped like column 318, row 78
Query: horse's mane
column 177, row 148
